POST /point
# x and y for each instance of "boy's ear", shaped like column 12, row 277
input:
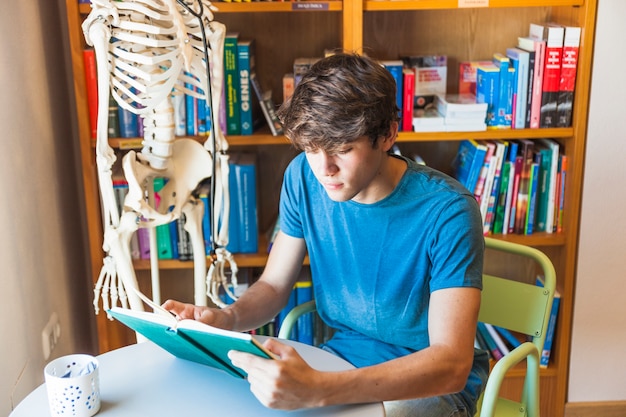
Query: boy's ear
column 387, row 142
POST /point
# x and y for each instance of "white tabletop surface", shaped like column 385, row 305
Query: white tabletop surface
column 143, row 380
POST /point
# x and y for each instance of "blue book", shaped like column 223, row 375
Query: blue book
column 487, row 90
column 245, row 177
column 508, row 336
column 395, row 68
column 173, row 226
column 233, row 219
column 521, row 62
column 201, row 119
column 191, row 112
column 468, row 162
column 504, row 106
column 206, row 223
column 129, row 123
column 304, row 293
column 190, row 339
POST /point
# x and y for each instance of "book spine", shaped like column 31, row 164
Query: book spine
column 497, row 338
column 408, row 104
column 288, row 86
column 231, row 75
column 567, row 82
column 502, row 198
column 487, row 84
column 180, row 120
column 519, row 165
column 526, row 150
column 267, row 106
column 304, row 293
column 245, row 173
column 129, row 127
column 511, row 157
column 113, row 127
column 532, row 199
column 530, row 88
column 234, row 220
column 395, row 68
column 491, row 344
column 206, row 223
column 543, row 189
column 174, row 238
column 185, row 249
column 559, row 212
column 164, row 242
column 484, row 170
column 191, row 112
column 535, row 118
column 503, row 107
column 495, row 188
column 91, row 85
column 508, row 336
column 551, row 75
column 244, row 67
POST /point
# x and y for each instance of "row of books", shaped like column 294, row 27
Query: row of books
column 244, row 102
column 498, row 341
column 519, row 184
column 173, row 241
column 531, row 85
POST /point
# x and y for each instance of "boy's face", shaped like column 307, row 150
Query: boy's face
column 353, row 172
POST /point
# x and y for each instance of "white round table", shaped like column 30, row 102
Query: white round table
column 143, row 380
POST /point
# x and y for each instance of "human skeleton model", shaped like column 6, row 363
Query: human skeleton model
column 147, row 50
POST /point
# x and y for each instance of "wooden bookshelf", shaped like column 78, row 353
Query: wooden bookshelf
column 383, row 29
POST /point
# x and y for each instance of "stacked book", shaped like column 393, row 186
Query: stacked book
column 461, row 112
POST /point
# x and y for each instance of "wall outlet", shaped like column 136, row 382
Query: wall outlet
column 50, row 335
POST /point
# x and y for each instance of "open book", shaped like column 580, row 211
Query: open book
column 191, row 339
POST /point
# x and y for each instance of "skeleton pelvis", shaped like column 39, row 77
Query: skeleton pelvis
column 189, row 164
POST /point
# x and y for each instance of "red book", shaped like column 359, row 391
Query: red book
column 569, row 64
column 91, row 84
column 553, row 35
column 408, row 102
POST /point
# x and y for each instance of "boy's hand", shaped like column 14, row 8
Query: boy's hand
column 211, row 316
column 284, row 383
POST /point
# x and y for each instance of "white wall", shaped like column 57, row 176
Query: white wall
column 598, row 364
column 42, row 257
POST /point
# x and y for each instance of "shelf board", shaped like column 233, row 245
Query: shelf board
column 278, row 6
column 243, row 260
column 258, row 260
column 264, row 138
column 261, row 6
column 389, row 5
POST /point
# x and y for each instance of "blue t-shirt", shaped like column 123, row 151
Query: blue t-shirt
column 374, row 266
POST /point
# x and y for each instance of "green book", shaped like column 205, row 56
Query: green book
column 190, row 339
column 231, row 77
column 163, row 238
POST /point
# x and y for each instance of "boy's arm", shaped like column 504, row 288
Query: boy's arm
column 442, row 368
